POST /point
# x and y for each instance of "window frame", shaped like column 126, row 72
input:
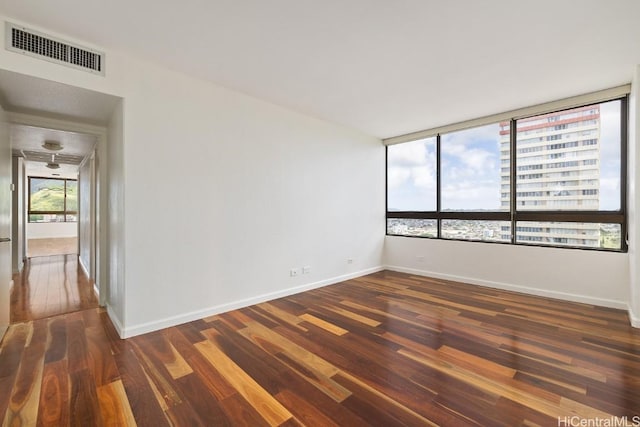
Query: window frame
column 63, row 212
column 513, row 215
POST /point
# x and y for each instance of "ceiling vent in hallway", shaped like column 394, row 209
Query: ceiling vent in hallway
column 38, row 45
column 37, row 156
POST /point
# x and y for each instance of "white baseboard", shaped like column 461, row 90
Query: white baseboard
column 19, row 269
column 633, row 318
column 85, row 270
column 116, row 321
column 53, row 237
column 167, row 322
column 515, row 288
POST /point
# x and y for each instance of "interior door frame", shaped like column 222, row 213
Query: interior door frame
column 98, row 217
column 6, row 179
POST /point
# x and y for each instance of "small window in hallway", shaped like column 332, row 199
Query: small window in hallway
column 53, row 200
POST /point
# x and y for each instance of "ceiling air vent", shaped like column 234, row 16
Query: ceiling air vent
column 33, row 43
column 38, row 156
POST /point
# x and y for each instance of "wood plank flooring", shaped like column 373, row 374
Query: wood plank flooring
column 385, row 349
column 52, row 246
column 49, row 286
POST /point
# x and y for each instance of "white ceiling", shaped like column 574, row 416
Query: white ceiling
column 30, row 139
column 40, row 170
column 26, row 94
column 384, row 67
column 30, row 95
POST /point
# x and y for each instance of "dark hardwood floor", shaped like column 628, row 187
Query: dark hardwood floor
column 385, row 349
column 49, row 286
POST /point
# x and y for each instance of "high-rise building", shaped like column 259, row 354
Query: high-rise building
column 558, row 168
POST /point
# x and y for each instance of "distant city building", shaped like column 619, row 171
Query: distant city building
column 558, row 168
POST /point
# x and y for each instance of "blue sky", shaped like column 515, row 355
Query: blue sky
column 411, row 176
column 470, row 172
column 471, row 169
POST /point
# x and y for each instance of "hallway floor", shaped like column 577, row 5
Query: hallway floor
column 49, row 286
column 53, row 246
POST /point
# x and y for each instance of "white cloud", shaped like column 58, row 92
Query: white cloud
column 424, row 177
column 610, row 137
column 418, row 177
column 412, row 164
column 470, row 169
column 410, row 154
column 483, row 133
column 471, row 194
column 481, row 161
column 463, row 147
column 397, row 176
column 609, row 193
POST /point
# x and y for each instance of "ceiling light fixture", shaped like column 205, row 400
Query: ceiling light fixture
column 52, row 146
column 53, row 164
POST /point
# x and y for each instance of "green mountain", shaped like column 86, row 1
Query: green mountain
column 48, row 195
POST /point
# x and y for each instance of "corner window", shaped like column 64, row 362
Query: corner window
column 553, row 179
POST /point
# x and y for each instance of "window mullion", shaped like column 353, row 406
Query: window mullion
column 438, row 185
column 512, row 177
column 624, row 129
column 64, row 207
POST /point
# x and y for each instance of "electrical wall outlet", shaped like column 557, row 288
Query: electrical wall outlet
column 306, row 269
column 294, row 272
column 349, row 260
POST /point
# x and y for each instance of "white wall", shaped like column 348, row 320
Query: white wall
column 85, row 214
column 222, row 194
column 634, row 201
column 599, row 278
column 18, row 212
column 48, row 230
column 113, row 230
column 233, row 193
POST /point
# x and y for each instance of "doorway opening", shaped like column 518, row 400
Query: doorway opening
column 59, row 209
column 56, row 178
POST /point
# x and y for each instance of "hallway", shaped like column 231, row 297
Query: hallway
column 49, row 286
